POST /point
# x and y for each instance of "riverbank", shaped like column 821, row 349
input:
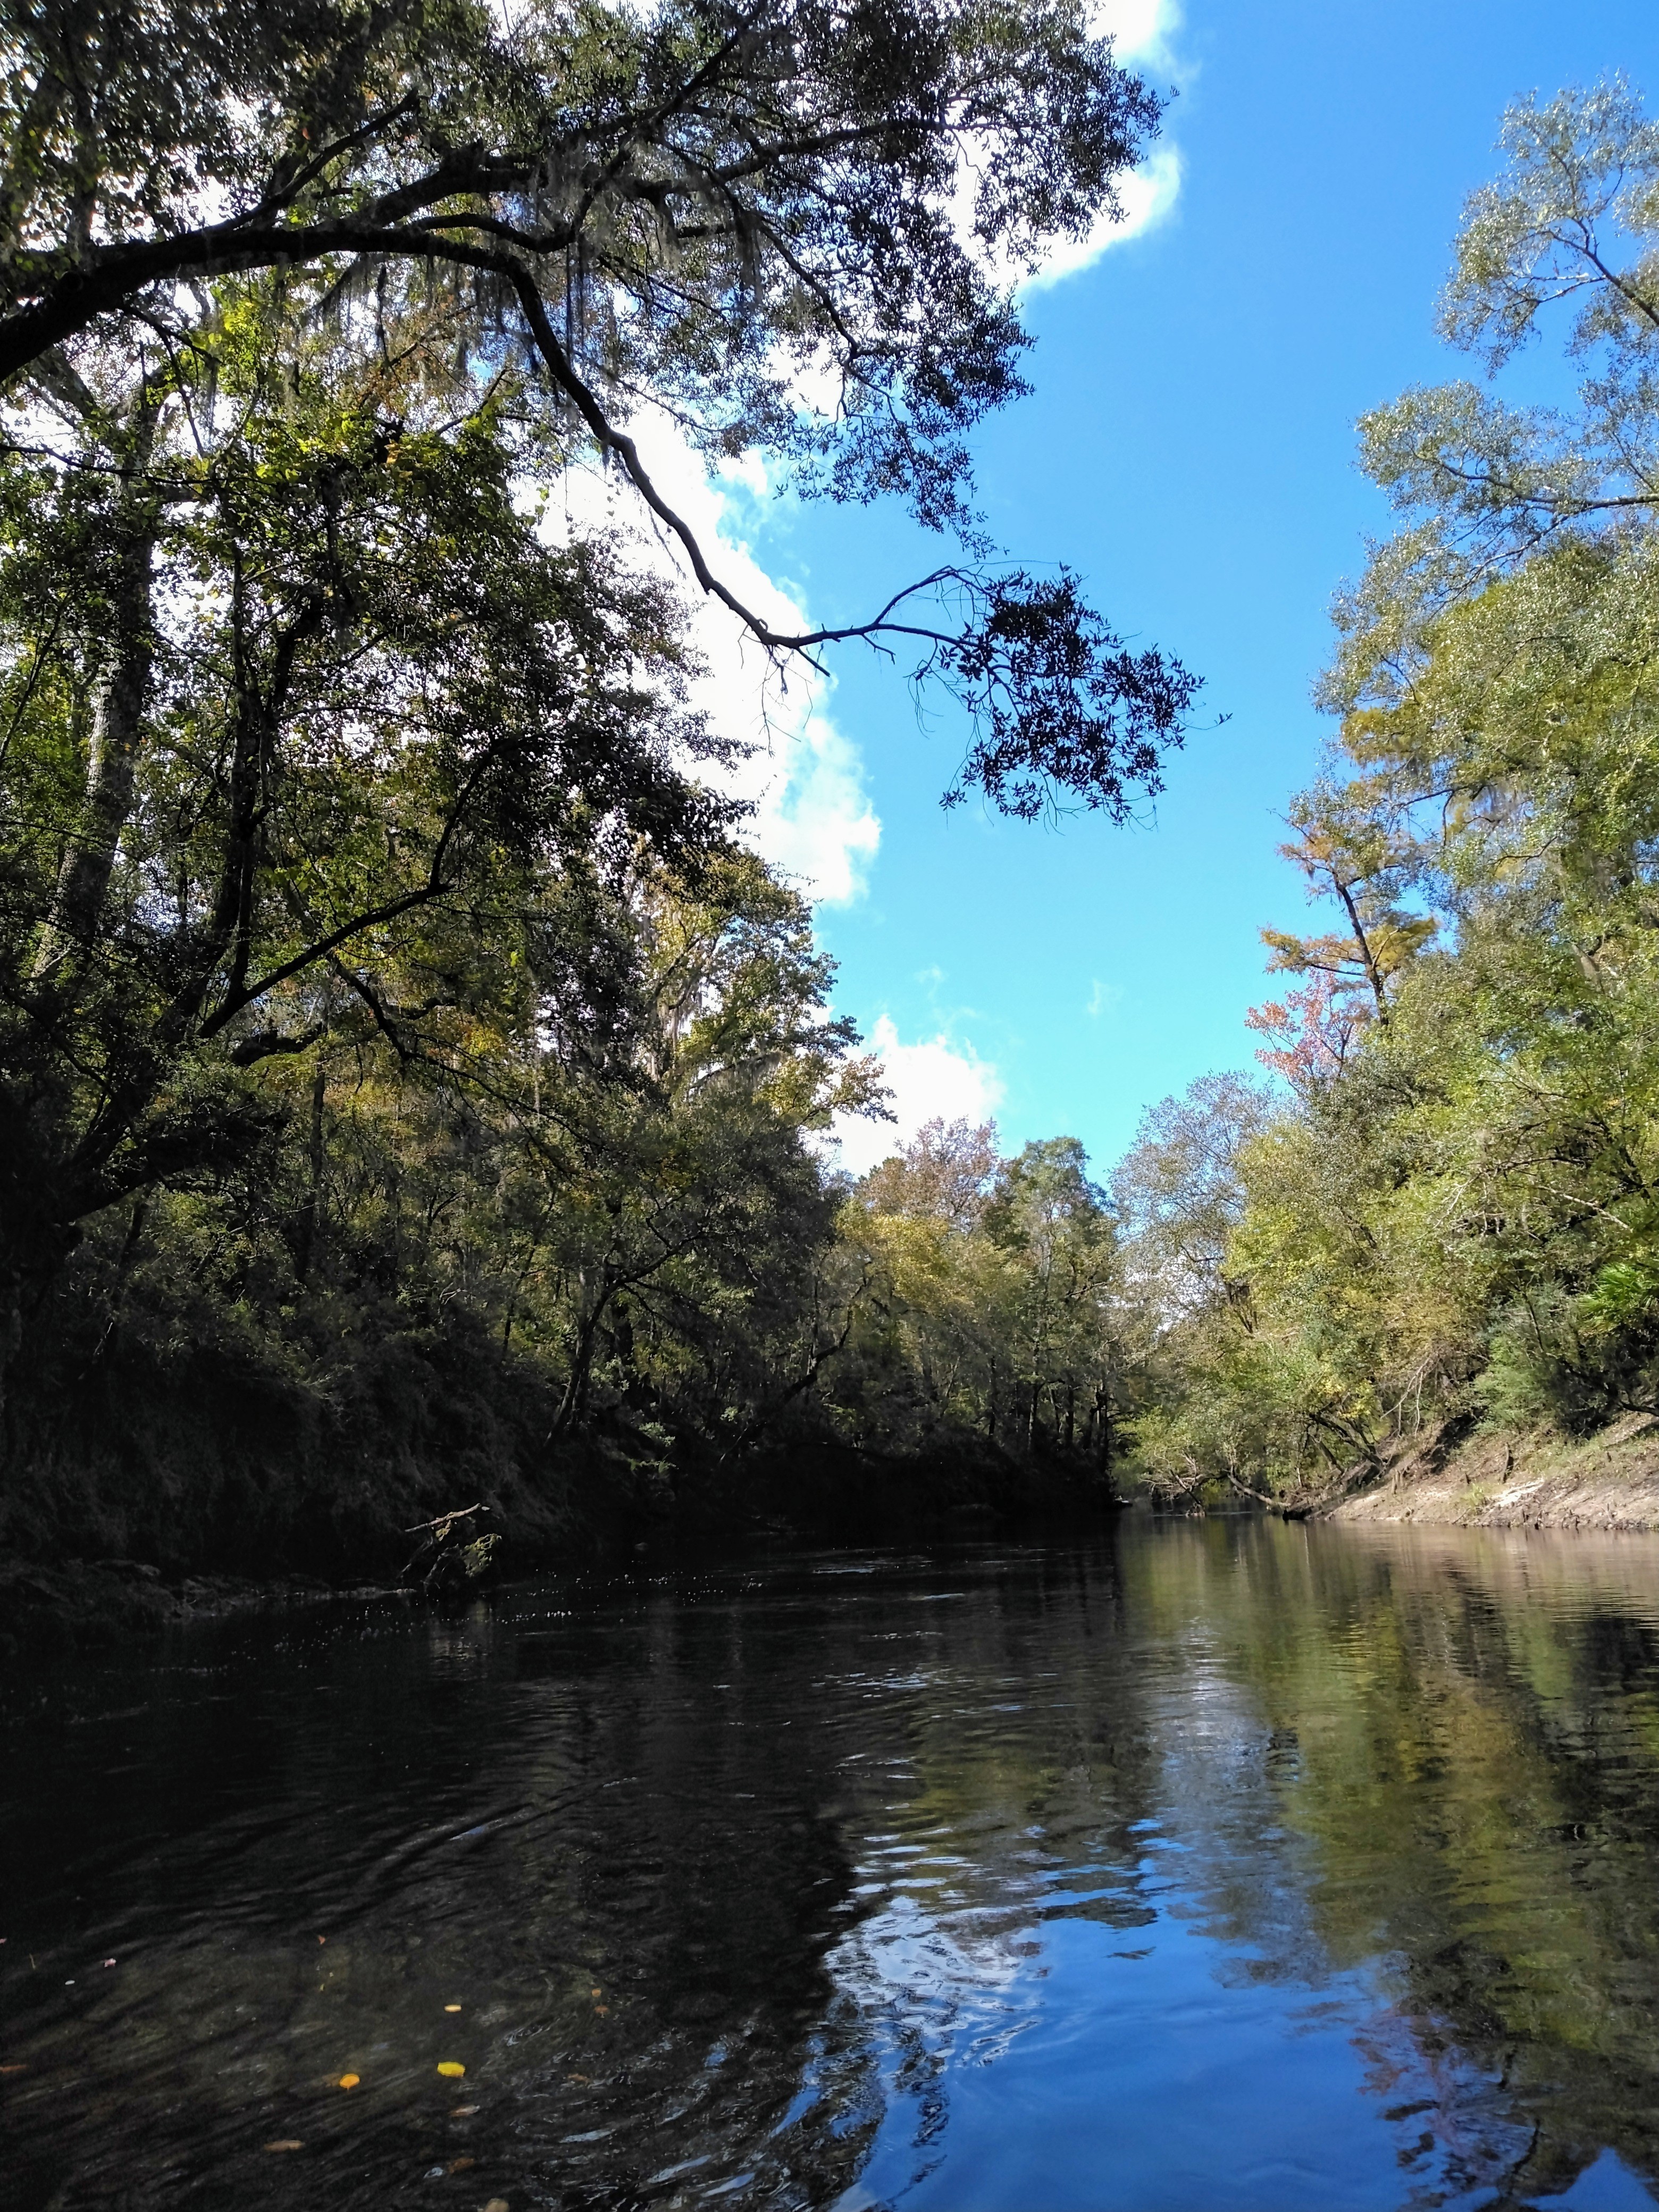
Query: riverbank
column 817, row 1491
column 1609, row 1481
column 54, row 1609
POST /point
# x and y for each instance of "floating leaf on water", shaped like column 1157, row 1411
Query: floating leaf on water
column 451, row 2068
column 18, row 2066
column 109, row 1962
column 350, row 2081
column 322, row 1939
column 451, row 2008
column 285, row 2142
column 460, row 2164
column 463, row 2112
column 497, row 2204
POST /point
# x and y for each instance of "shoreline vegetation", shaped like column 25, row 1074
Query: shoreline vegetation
column 415, row 1093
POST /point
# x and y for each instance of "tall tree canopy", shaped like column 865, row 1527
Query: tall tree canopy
column 379, row 964
column 700, row 207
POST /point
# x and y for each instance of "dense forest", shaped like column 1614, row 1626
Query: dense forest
column 413, row 1088
column 415, row 1091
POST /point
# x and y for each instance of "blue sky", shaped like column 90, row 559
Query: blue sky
column 1188, row 448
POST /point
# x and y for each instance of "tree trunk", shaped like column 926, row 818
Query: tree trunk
column 33, row 1249
column 310, row 1218
column 117, row 722
column 574, row 1401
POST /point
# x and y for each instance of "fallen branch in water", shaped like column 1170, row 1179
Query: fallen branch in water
column 451, row 1562
column 444, row 1520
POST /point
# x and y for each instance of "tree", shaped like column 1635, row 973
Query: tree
column 1571, row 224
column 1454, row 1214
column 382, row 989
column 692, row 210
column 680, row 1214
column 1179, row 1194
column 928, row 1343
column 990, row 1300
column 304, row 716
column 1343, row 847
column 1055, row 1227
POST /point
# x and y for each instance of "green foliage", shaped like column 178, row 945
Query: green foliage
column 704, row 211
column 990, row 1302
column 407, row 1077
column 708, row 200
column 1453, row 1213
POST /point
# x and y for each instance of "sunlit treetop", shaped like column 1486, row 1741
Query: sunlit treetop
column 1565, row 244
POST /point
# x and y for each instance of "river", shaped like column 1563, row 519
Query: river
column 1209, row 1865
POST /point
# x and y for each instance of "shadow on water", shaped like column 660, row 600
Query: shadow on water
column 1220, row 1864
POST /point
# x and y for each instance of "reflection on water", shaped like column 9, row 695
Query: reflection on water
column 1220, row 1865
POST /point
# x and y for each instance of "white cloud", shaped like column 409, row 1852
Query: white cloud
column 1148, row 194
column 805, row 776
column 814, row 820
column 1141, row 29
column 933, row 1079
column 1102, row 999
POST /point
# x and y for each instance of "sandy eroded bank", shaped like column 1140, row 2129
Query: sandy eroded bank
column 1611, row 1480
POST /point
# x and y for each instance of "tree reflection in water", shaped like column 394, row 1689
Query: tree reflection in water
column 1212, row 1864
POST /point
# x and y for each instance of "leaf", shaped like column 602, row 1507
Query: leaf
column 451, row 2068
column 350, row 2081
column 451, row 2008
column 463, row 2112
column 285, row 2142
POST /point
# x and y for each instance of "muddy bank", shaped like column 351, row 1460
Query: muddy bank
column 1609, row 1480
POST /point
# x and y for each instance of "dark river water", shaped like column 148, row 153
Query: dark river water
column 1211, row 1865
